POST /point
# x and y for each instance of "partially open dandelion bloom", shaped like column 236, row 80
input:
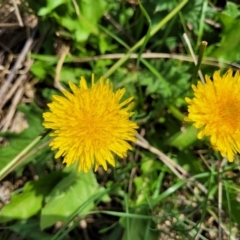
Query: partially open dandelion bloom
column 215, row 109
column 90, row 124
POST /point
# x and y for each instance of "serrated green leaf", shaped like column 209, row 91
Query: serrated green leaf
column 231, row 10
column 230, row 39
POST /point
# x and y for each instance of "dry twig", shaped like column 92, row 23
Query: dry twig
column 17, row 13
column 17, row 65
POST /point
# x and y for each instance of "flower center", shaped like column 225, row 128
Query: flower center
column 95, row 128
column 228, row 115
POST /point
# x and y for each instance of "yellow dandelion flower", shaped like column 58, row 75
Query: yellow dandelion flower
column 90, row 124
column 215, row 109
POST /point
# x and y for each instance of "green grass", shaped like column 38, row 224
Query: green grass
column 168, row 187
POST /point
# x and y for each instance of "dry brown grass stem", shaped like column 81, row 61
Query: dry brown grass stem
column 17, row 65
column 63, row 55
column 151, row 55
column 19, row 18
column 185, row 36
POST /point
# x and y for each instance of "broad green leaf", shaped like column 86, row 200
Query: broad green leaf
column 29, row 203
column 183, row 139
column 67, row 196
column 70, row 75
column 91, row 11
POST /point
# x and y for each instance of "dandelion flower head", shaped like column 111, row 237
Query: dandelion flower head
column 215, row 110
column 90, row 124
